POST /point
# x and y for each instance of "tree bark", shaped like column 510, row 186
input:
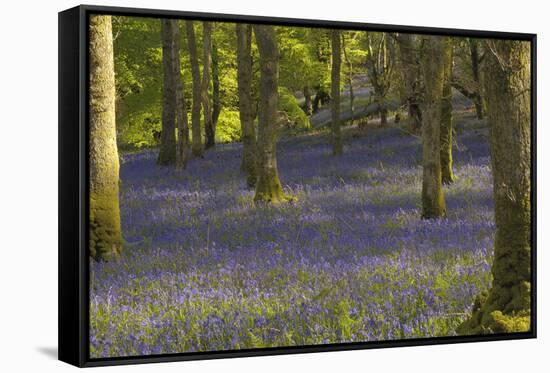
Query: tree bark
column 321, row 97
column 216, row 102
column 196, row 146
column 474, row 55
column 350, row 79
column 383, row 111
column 446, row 136
column 205, row 84
column 407, row 49
column 507, row 86
column 308, row 105
column 105, row 236
column 167, row 152
column 182, row 123
column 336, row 134
column 268, row 187
column 433, row 68
column 380, row 68
column 244, row 81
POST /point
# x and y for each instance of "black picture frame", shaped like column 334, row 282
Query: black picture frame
column 73, row 185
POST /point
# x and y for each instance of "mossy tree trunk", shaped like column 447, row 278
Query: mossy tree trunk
column 196, row 137
column 182, row 122
column 167, row 152
column 268, row 186
column 446, row 135
column 507, row 87
column 205, row 84
column 409, row 65
column 105, row 236
column 433, row 69
column 246, row 111
column 336, row 132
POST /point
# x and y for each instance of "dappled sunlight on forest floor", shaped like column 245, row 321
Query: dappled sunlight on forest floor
column 348, row 260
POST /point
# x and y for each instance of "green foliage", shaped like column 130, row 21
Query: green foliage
column 294, row 115
column 138, row 72
column 305, row 56
column 139, row 130
column 229, row 127
column 304, row 62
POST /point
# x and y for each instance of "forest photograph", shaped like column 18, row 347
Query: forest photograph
column 256, row 186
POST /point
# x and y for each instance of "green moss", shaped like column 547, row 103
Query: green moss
column 502, row 310
column 510, row 324
column 269, row 189
column 105, row 236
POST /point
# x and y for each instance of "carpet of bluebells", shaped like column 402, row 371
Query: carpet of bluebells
column 349, row 260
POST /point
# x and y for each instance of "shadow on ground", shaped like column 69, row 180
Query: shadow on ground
column 50, row 352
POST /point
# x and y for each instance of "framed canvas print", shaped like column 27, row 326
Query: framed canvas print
column 237, row 185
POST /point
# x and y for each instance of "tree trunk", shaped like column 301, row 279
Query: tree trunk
column 507, row 81
column 183, row 148
column 410, row 72
column 433, row 68
column 321, row 97
column 268, row 187
column 351, row 100
column 167, row 153
column 244, row 80
column 196, row 146
column 379, row 68
column 216, row 103
column 350, row 79
column 308, row 105
column 383, row 112
column 336, row 134
column 474, row 55
column 205, row 84
column 105, row 236
column 380, row 102
column 182, row 124
column 446, row 136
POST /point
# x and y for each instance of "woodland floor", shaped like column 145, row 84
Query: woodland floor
column 350, row 260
